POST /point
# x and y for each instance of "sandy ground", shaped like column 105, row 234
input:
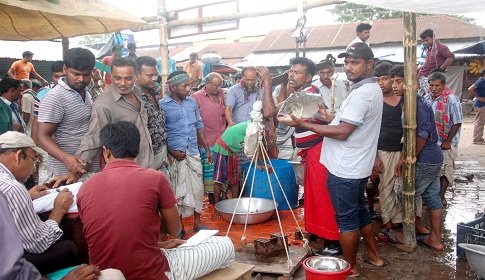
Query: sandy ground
column 466, row 202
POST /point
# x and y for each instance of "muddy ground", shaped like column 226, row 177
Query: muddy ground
column 466, row 202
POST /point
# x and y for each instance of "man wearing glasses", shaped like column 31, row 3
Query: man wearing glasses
column 324, row 84
column 42, row 247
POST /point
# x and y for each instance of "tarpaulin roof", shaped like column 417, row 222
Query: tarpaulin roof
column 427, row 6
column 43, row 20
column 478, row 48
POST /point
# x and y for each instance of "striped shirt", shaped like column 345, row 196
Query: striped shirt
column 38, row 98
column 283, row 132
column 65, row 107
column 37, row 236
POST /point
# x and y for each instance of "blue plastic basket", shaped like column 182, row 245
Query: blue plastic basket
column 471, row 233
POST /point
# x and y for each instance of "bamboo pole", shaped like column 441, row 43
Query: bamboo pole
column 65, row 46
column 410, row 43
column 176, row 23
column 163, row 27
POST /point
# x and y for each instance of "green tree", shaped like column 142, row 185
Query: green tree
column 350, row 12
column 94, row 39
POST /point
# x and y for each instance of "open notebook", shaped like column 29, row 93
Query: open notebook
column 46, row 203
column 199, row 237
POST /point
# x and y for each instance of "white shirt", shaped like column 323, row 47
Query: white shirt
column 358, row 40
column 340, row 93
column 354, row 158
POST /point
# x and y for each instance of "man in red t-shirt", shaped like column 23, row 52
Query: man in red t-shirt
column 121, row 207
column 106, row 77
column 438, row 56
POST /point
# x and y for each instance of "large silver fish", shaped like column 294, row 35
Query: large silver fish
column 301, row 104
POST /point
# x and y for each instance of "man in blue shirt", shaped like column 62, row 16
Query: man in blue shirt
column 184, row 127
column 428, row 162
column 241, row 97
column 172, row 65
column 477, row 90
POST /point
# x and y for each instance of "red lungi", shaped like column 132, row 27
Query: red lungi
column 319, row 213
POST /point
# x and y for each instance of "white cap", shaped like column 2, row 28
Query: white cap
column 17, row 140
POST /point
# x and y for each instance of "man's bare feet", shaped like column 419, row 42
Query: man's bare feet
column 420, row 230
column 353, row 273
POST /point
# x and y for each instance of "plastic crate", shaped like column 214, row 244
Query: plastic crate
column 471, row 233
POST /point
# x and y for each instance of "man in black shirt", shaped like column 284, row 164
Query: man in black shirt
column 389, row 149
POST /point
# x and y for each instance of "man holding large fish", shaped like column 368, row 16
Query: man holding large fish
column 319, row 213
column 349, row 152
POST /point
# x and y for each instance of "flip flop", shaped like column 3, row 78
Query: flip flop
column 420, row 236
column 197, row 229
column 423, row 241
column 391, row 235
column 364, row 258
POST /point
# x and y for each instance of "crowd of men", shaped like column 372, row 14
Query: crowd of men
column 146, row 159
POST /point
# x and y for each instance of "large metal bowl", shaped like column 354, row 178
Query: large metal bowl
column 475, row 254
column 326, row 264
column 260, row 210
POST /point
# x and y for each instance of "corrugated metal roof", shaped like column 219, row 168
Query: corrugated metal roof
column 230, row 53
column 391, row 51
column 155, row 53
column 383, row 31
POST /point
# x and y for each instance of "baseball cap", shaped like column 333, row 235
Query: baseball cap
column 17, row 140
column 358, row 50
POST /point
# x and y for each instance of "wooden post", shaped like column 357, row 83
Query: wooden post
column 410, row 88
column 174, row 22
column 65, row 46
column 163, row 27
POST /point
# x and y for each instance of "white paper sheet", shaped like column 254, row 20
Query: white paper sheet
column 199, row 237
column 46, row 203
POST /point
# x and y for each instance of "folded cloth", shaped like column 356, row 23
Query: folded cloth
column 46, row 203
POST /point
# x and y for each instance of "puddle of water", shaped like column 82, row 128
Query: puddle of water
column 466, row 203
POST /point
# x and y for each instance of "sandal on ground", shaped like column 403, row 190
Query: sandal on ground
column 423, row 241
column 391, row 235
column 421, row 236
column 364, row 258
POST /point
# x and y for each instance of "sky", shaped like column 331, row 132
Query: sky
column 248, row 26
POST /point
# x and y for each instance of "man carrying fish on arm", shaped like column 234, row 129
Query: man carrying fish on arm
column 319, row 213
column 349, row 152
